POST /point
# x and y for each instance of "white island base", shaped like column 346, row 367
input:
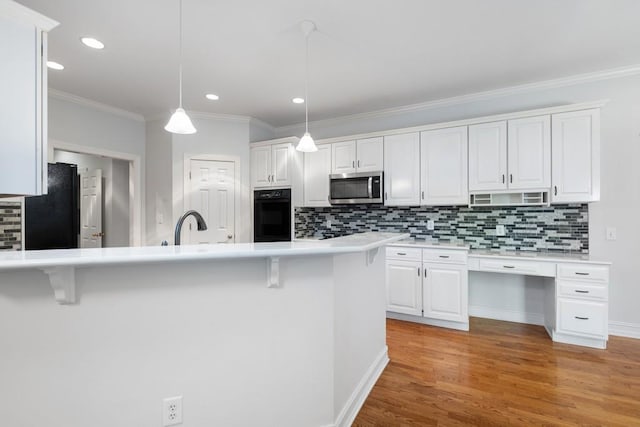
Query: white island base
column 240, row 353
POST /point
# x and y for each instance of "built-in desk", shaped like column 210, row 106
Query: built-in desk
column 429, row 283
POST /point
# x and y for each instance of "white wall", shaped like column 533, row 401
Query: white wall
column 620, row 203
column 159, row 208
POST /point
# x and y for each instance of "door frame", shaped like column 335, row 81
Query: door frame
column 135, row 180
column 237, row 182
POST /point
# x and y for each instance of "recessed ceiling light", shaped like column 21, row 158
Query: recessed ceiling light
column 92, row 43
column 54, row 65
column 298, row 100
column 212, row 97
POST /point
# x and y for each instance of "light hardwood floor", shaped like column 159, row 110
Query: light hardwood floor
column 502, row 374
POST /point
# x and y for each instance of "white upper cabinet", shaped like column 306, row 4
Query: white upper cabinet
column 370, row 154
column 23, row 110
column 363, row 155
column 576, row 156
column 488, row 156
column 317, row 168
column 271, row 165
column 402, row 170
column 343, row 157
column 529, row 153
column 261, row 166
column 444, row 167
column 281, row 155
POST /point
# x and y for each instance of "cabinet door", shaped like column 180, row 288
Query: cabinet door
column 281, row 155
column 261, row 166
column 317, row 168
column 370, row 154
column 488, row 156
column 443, row 167
column 445, row 293
column 576, row 156
column 343, row 157
column 529, row 153
column 404, row 287
column 402, row 170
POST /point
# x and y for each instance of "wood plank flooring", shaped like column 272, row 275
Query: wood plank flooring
column 502, row 374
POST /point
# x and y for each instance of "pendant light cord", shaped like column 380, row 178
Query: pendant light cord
column 306, row 86
column 180, row 69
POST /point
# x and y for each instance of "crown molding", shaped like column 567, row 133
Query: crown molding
column 262, row 124
column 25, row 15
column 221, row 117
column 64, row 96
column 478, row 96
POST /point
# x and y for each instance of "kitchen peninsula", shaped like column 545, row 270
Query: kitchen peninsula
column 280, row 334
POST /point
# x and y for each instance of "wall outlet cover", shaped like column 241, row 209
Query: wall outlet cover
column 431, row 225
column 172, row 411
column 500, row 231
column 612, row 233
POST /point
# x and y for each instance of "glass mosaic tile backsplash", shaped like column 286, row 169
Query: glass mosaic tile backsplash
column 10, row 226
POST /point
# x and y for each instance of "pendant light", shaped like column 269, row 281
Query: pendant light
column 180, row 121
column 306, row 143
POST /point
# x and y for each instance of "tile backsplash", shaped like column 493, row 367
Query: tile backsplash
column 563, row 228
column 10, row 226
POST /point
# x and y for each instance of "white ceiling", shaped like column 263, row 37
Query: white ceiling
column 367, row 55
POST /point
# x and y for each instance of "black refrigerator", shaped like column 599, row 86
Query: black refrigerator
column 52, row 221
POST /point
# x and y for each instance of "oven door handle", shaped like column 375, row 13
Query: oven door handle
column 370, row 187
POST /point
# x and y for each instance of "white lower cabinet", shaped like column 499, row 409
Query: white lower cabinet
column 445, row 292
column 404, row 287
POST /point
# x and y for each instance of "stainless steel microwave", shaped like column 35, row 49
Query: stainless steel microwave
column 352, row 188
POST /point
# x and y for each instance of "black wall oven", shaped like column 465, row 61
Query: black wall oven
column 272, row 215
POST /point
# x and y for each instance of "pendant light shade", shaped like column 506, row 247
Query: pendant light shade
column 180, row 121
column 306, row 144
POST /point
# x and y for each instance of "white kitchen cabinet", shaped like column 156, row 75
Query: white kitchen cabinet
column 317, row 168
column 404, row 287
column 23, row 111
column 402, row 170
column 271, row 165
column 363, row 155
column 488, row 156
column 529, row 153
column 576, row 156
column 445, row 292
column 443, row 168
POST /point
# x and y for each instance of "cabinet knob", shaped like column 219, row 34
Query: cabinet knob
column 229, row 236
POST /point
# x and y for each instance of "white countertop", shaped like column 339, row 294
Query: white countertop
column 145, row 254
column 429, row 245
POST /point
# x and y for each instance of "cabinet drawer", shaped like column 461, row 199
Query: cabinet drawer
column 583, row 272
column 532, row 268
column 412, row 254
column 587, row 290
column 582, row 317
column 444, row 256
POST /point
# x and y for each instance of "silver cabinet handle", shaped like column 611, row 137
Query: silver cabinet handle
column 418, row 272
column 511, row 178
column 423, row 195
column 444, row 256
column 401, row 253
column 581, row 318
column 581, row 291
column 509, row 266
column 425, row 272
column 385, row 195
column 581, row 274
column 503, row 178
column 358, row 163
column 353, row 164
column 555, row 190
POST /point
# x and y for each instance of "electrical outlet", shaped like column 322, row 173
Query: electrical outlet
column 328, row 223
column 431, row 225
column 612, row 233
column 172, row 411
column 500, row 231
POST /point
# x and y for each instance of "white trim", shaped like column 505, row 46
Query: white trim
column 624, row 329
column 285, row 140
column 23, row 14
column 361, row 392
column 477, row 96
column 64, row 96
column 261, row 124
column 506, row 315
column 135, row 180
column 200, row 115
column 459, row 326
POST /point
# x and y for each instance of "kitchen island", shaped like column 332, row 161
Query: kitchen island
column 270, row 334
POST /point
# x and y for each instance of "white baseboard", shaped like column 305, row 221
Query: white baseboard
column 506, row 315
column 461, row 326
column 624, row 329
column 351, row 408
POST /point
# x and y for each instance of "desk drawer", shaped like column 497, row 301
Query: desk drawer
column 582, row 317
column 586, row 290
column 594, row 273
column 410, row 254
column 531, row 268
column 444, row 256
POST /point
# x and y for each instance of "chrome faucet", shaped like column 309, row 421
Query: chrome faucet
column 199, row 220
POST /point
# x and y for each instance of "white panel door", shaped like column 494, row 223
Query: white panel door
column 576, row 156
column 212, row 194
column 370, row 154
column 91, row 209
column 488, row 156
column 343, row 157
column 261, row 166
column 282, row 167
column 445, row 293
column 443, row 167
column 317, row 168
column 529, row 153
column 402, row 170
column 404, row 287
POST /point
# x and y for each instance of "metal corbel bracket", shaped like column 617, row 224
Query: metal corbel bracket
column 63, row 282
